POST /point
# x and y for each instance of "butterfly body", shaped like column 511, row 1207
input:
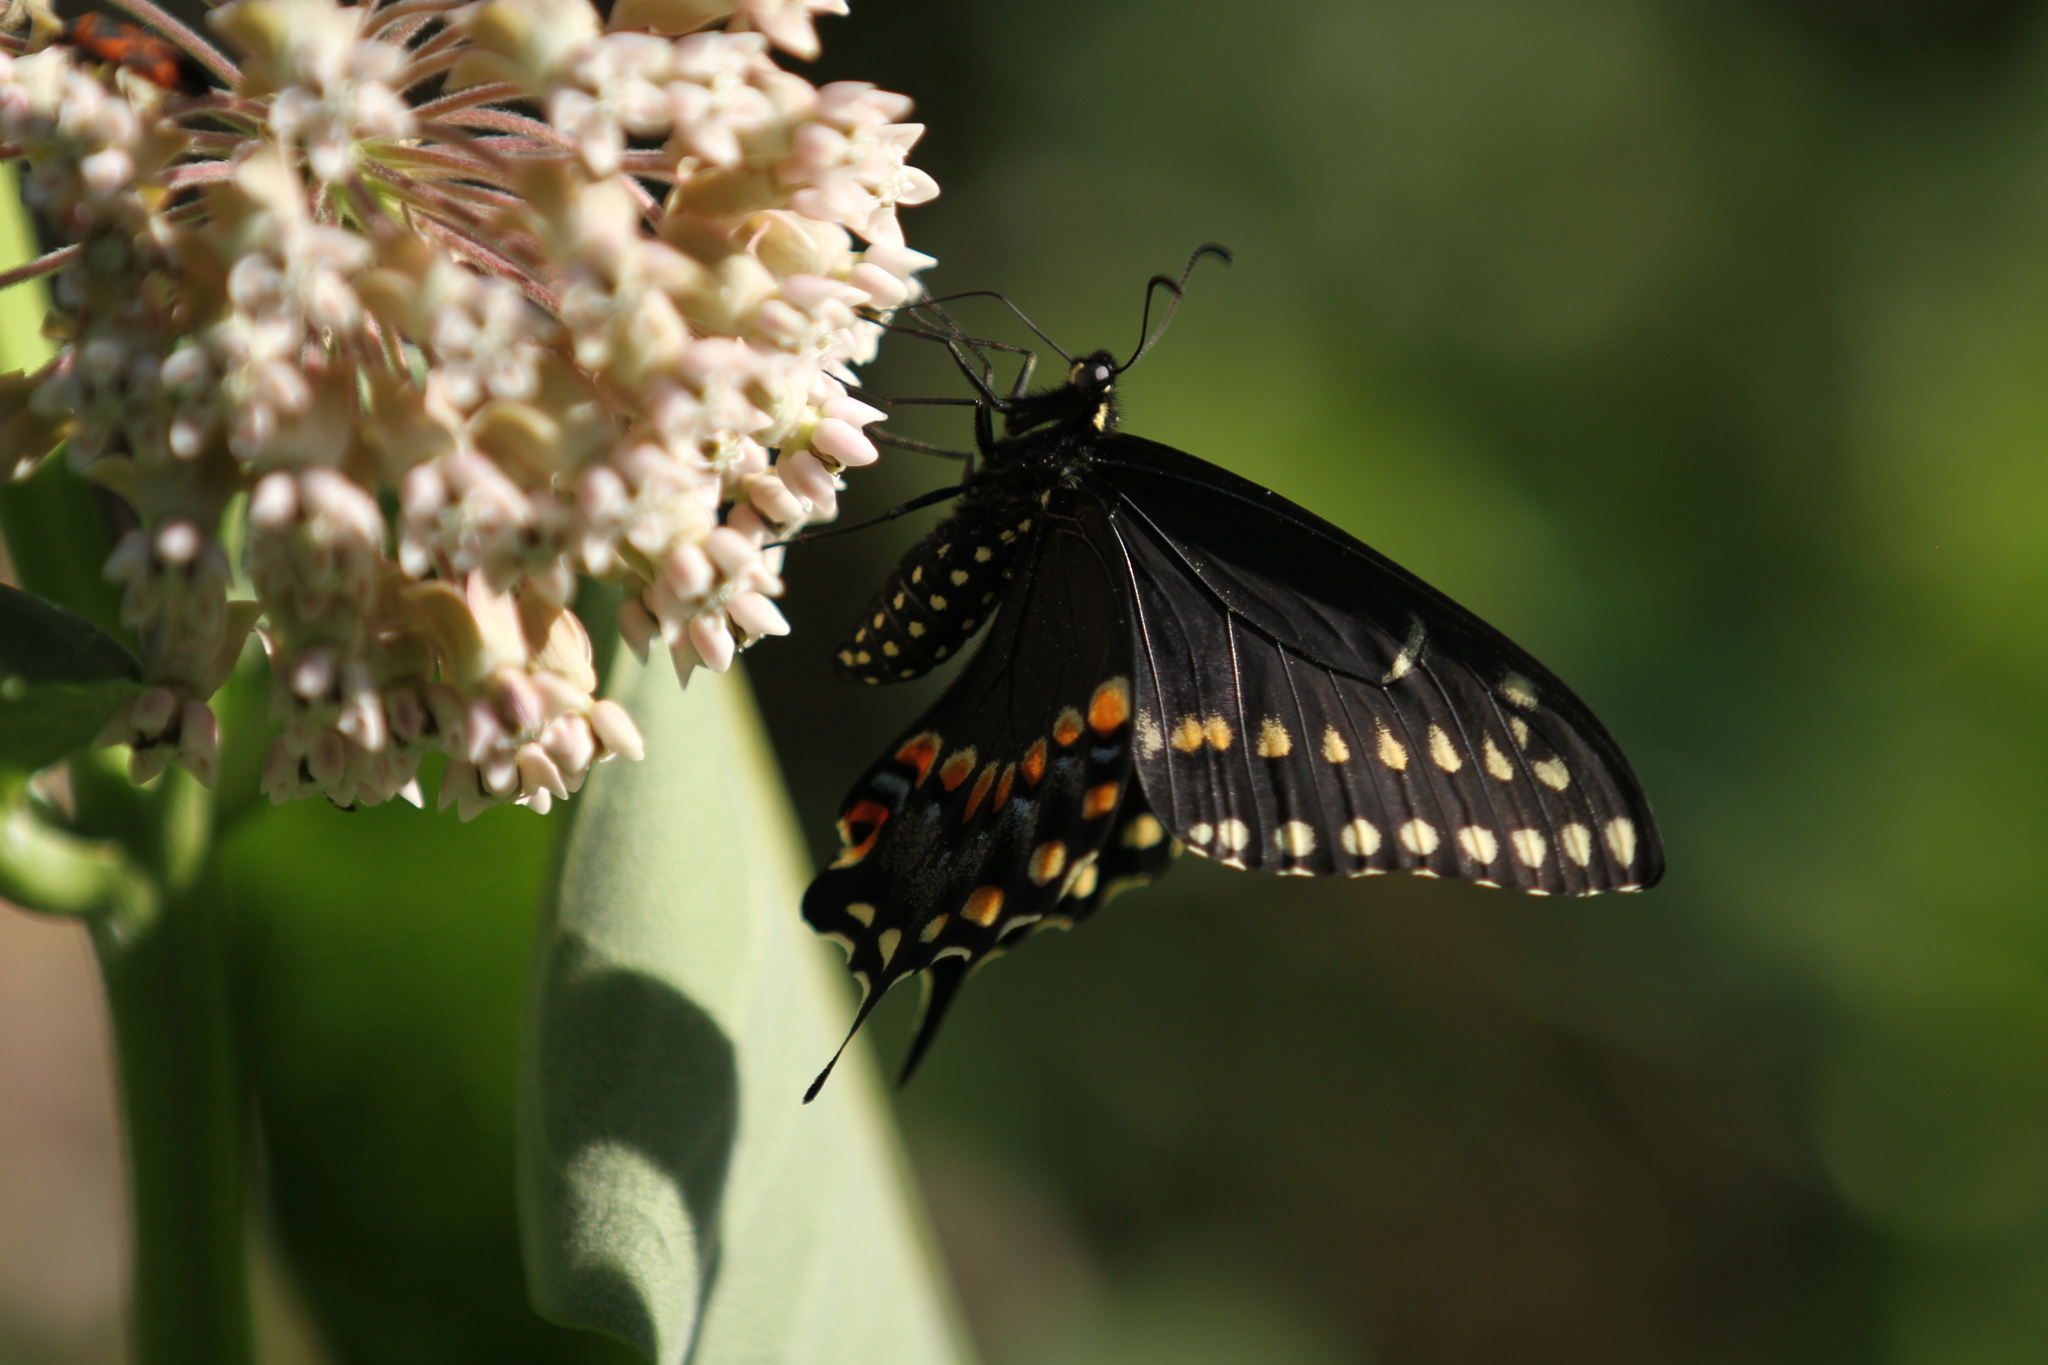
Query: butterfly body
column 155, row 59
column 1182, row 659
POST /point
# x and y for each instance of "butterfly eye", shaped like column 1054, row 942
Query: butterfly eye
column 1102, row 374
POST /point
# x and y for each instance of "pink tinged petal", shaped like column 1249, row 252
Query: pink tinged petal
column 152, row 712
column 808, row 479
column 684, row 656
column 713, row 640
column 540, row 803
column 411, row 793
column 636, row 627
column 559, row 696
column 538, row 773
column 883, row 289
column 280, row 773
column 328, row 760
column 756, row 615
column 570, row 744
column 481, row 732
column 520, row 702
column 851, row 410
column 407, row 715
column 772, row 498
column 275, row 503
column 145, row 764
column 312, row 677
column 731, row 551
column 615, row 731
column 844, row 442
column 499, row 773
column 199, row 742
column 457, row 778
column 689, row 573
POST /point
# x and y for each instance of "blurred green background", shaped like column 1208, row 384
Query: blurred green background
column 1703, row 347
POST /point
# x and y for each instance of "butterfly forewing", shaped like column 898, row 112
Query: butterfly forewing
column 998, row 803
column 1305, row 706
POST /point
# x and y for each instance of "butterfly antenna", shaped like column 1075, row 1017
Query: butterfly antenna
column 866, row 1005
column 1004, row 300
column 1147, row 338
column 941, row 983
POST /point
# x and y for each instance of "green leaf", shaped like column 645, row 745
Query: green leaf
column 60, row 678
column 675, row 1191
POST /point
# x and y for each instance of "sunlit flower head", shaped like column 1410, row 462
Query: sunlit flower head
column 428, row 309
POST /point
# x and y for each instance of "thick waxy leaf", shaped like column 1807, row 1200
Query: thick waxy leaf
column 60, row 678
column 676, row 1192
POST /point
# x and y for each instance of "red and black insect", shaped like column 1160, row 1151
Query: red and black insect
column 1177, row 658
column 157, row 60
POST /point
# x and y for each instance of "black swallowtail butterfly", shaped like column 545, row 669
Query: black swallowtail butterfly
column 1178, row 658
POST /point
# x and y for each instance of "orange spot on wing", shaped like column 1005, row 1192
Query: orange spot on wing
column 955, row 769
column 862, row 815
column 1111, row 706
column 918, row 752
column 1003, row 786
column 984, row 905
column 1034, row 762
column 1100, row 800
column 980, row 792
column 1067, row 728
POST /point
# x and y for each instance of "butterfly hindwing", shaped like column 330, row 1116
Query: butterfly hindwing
column 998, row 802
column 1306, row 706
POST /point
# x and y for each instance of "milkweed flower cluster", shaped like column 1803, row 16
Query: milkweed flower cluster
column 430, row 308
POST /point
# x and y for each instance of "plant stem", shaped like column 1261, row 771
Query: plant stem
column 186, row 1128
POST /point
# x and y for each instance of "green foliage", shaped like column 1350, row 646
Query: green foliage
column 60, row 677
column 675, row 1191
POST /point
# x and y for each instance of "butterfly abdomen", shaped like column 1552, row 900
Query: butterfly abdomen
column 945, row 590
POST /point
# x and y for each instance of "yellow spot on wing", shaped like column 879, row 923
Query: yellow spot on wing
column 1442, row 752
column 1274, row 741
column 863, row 912
column 1360, row 838
column 934, row 929
column 1298, row 838
column 1143, row 832
column 1496, row 762
column 1110, row 707
column 1100, row 800
column 955, row 769
column 1393, row 753
column 1233, row 834
column 959, row 577
column 1530, row 846
column 1201, row 832
column 1479, row 844
column 1047, row 861
column 1334, row 747
column 1067, row 727
column 1552, row 773
column 1218, row 731
column 1577, row 842
column 1150, row 741
column 1519, row 728
column 1621, row 839
column 984, row 905
column 886, row 944
column 1419, row 837
column 1187, row 736
column 1519, row 691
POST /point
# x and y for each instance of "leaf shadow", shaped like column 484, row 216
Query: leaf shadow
column 630, row 1067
